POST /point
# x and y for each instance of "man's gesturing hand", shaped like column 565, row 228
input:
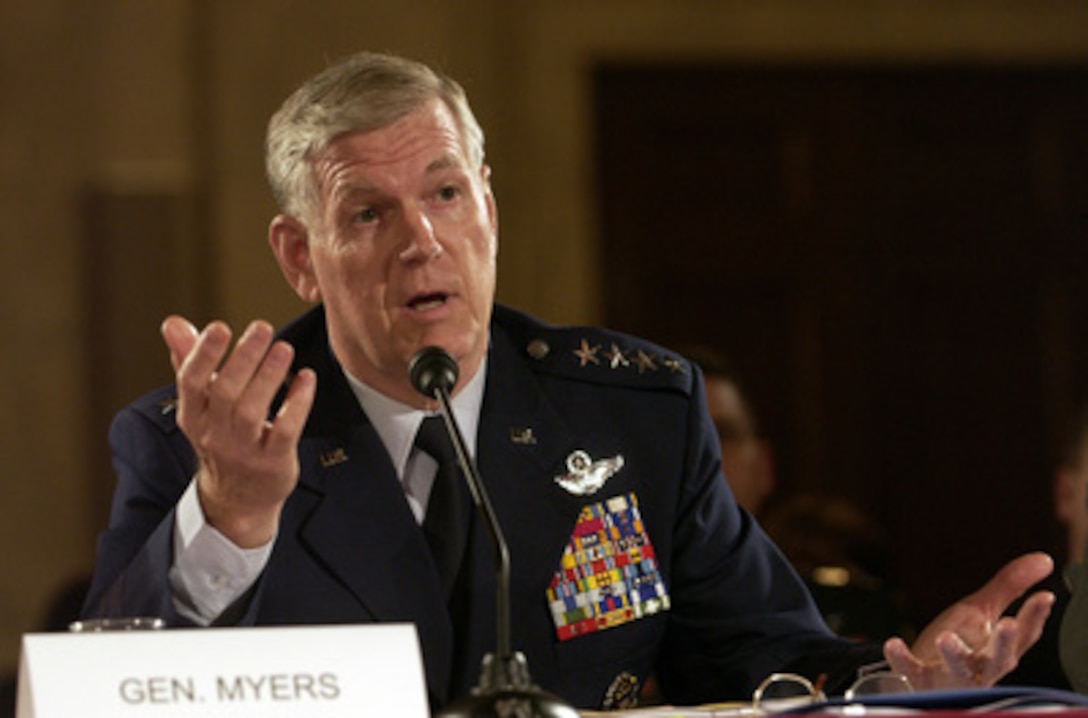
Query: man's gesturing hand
column 971, row 643
column 248, row 461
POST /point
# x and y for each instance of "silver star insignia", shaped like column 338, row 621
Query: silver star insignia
column 616, row 358
column 674, row 365
column 587, row 354
column 645, row 362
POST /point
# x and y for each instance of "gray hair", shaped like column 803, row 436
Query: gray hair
column 363, row 92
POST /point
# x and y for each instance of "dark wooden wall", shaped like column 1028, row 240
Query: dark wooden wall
column 896, row 259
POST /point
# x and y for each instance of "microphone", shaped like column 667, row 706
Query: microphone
column 505, row 689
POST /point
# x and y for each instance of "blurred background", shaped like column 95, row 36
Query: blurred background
column 878, row 209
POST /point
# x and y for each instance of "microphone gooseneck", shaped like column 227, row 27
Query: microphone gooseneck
column 505, row 689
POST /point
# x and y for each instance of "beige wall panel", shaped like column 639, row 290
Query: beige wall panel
column 172, row 97
column 92, row 90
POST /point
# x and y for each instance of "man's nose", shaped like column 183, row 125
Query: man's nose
column 420, row 239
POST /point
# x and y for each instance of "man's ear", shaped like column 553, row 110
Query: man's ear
column 290, row 243
column 489, row 198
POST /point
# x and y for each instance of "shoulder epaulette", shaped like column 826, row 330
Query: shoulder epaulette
column 601, row 356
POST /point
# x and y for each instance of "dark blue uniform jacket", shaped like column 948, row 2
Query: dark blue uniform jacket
column 349, row 549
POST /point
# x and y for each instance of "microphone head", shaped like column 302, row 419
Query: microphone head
column 432, row 368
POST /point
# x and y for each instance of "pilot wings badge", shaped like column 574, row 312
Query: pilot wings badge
column 585, row 476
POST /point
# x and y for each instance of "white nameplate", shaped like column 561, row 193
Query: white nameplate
column 318, row 672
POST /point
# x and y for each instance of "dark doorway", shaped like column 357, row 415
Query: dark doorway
column 895, row 258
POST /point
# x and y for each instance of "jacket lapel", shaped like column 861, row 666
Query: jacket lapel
column 523, row 444
column 361, row 529
column 357, row 522
column 361, row 526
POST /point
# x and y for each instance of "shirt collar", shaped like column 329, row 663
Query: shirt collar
column 398, row 423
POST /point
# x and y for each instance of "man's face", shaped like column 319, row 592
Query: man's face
column 403, row 251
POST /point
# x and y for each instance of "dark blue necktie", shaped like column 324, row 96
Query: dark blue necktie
column 445, row 524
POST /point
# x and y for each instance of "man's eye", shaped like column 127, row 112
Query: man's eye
column 447, row 193
column 366, row 215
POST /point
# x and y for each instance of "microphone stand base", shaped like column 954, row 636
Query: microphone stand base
column 506, row 691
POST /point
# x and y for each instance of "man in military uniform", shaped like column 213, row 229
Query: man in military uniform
column 279, row 481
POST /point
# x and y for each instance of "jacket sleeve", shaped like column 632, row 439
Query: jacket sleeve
column 153, row 463
column 740, row 612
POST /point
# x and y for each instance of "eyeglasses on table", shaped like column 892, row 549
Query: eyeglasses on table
column 788, row 691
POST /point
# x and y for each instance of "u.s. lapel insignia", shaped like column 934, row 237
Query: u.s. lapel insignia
column 333, row 457
column 608, row 574
column 585, row 476
column 522, row 435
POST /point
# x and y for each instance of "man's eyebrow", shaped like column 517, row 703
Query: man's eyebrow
column 355, row 191
column 444, row 162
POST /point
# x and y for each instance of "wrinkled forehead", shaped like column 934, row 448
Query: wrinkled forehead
column 362, row 119
column 423, row 144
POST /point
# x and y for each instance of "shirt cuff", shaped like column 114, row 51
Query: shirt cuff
column 210, row 572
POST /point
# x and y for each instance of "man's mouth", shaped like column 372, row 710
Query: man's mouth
column 427, row 302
